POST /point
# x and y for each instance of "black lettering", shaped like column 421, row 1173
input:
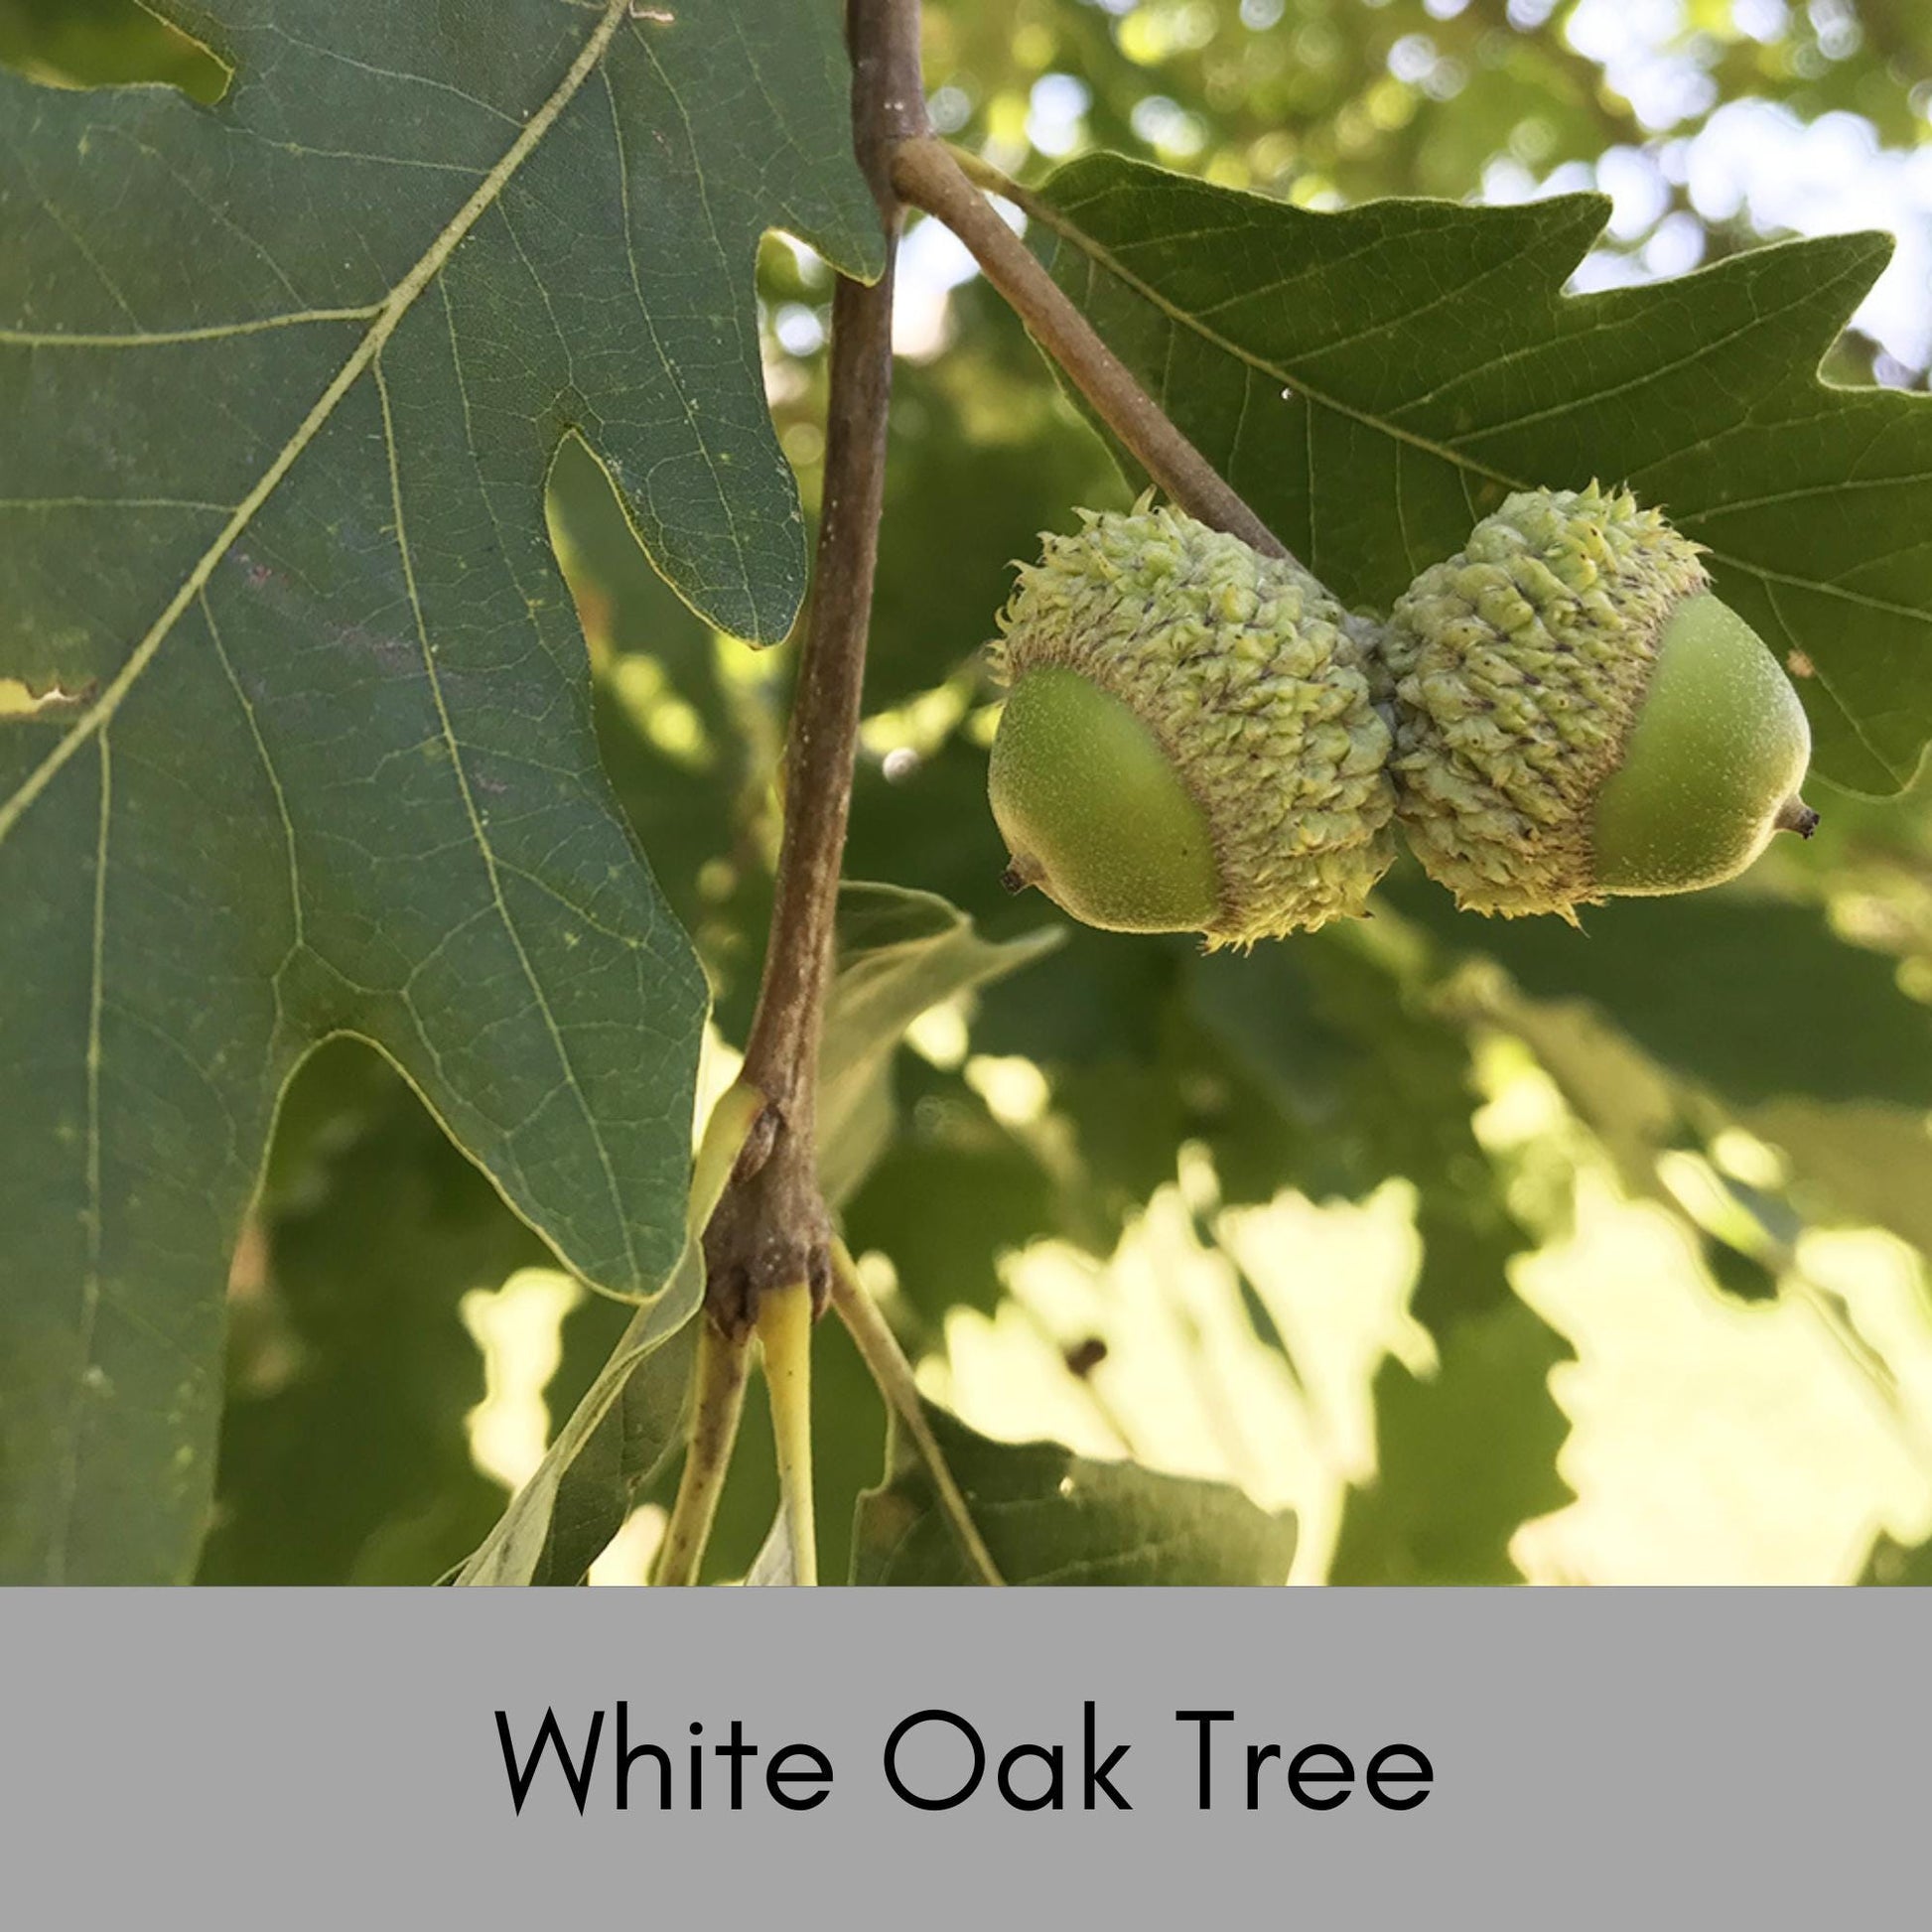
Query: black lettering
column 776, row 1775
column 577, row 1777
column 1378, row 1777
column 1258, row 1755
column 738, row 1750
column 1097, row 1775
column 912, row 1797
column 697, row 1771
column 1204, row 1719
column 1049, row 1755
column 1298, row 1776
column 626, row 1756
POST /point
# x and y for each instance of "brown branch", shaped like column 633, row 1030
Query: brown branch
column 772, row 1229
column 927, row 175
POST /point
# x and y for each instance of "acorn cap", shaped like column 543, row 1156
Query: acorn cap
column 1187, row 714
column 1579, row 715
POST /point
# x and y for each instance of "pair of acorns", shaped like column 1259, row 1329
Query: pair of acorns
column 1197, row 737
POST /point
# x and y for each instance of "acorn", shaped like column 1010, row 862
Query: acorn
column 1188, row 741
column 1580, row 716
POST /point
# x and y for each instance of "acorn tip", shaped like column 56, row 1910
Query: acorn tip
column 1794, row 815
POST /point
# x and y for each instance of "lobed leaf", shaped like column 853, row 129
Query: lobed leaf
column 313, row 752
column 1374, row 381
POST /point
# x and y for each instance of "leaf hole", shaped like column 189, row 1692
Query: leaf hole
column 20, row 702
column 85, row 44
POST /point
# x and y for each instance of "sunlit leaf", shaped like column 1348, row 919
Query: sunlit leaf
column 898, row 953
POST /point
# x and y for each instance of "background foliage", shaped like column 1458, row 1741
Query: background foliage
column 1488, row 1251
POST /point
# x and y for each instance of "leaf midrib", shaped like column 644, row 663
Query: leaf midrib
column 387, row 318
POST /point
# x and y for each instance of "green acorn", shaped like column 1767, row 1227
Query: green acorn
column 1580, row 716
column 1188, row 741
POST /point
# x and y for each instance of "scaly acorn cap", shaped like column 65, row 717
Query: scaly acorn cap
column 1188, row 741
column 1579, row 715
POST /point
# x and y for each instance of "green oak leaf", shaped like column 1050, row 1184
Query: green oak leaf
column 1754, row 998
column 305, row 746
column 1374, row 381
column 1048, row 1516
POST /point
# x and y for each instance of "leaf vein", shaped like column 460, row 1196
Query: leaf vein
column 485, row 849
column 401, row 299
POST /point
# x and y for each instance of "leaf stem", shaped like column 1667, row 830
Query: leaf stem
column 784, row 1331
column 893, row 1375
column 717, row 1401
column 928, row 175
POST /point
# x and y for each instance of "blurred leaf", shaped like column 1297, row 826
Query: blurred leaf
column 1738, row 1274
column 104, row 42
column 1048, row 1516
column 1629, row 1103
column 1376, row 1085
column 1372, row 381
column 1466, row 1455
column 773, row 1566
column 272, row 497
column 1857, row 1161
column 953, row 1192
column 343, row 1455
column 898, row 953
column 1897, row 1565
column 1749, row 997
column 1129, row 1121
column 978, row 465
column 930, row 823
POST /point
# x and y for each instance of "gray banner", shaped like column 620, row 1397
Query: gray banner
column 306, row 1758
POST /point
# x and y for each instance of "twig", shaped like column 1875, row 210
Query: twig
column 928, row 176
column 785, row 1330
column 893, row 1375
column 718, row 1396
column 773, row 1230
